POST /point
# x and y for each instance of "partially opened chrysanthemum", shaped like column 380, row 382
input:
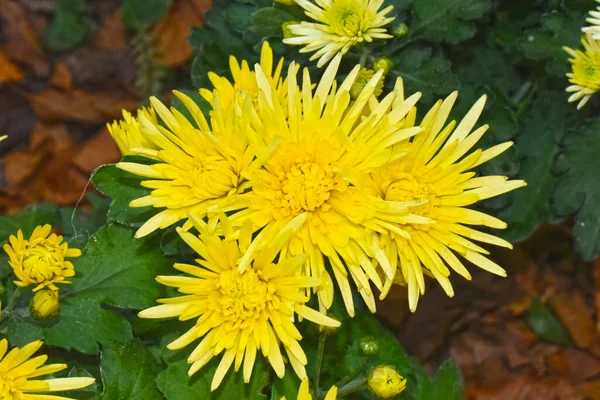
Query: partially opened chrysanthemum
column 324, row 147
column 585, row 75
column 340, row 24
column 239, row 313
column 18, row 370
column 436, row 168
column 127, row 133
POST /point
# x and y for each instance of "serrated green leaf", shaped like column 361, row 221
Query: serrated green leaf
column 545, row 325
column 175, row 383
column 115, row 270
column 27, row 220
column 128, row 372
column 546, row 42
column 447, row 20
column 122, row 187
column 577, row 191
column 287, row 387
column 139, row 15
column 78, row 224
column 423, row 72
column 239, row 16
column 537, row 146
column 447, row 384
column 267, row 21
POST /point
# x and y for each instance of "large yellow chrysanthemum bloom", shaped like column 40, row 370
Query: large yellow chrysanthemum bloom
column 304, row 393
column 594, row 20
column 341, row 25
column 240, row 313
column 585, row 75
column 324, row 149
column 244, row 79
column 40, row 260
column 17, row 369
column 127, row 133
column 436, row 169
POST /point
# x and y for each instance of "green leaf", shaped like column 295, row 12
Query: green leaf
column 78, row 224
column 447, row 384
column 546, row 42
column 122, row 187
column 115, row 270
column 545, row 325
column 67, row 31
column 287, row 387
column 537, row 146
column 175, row 383
column 578, row 191
column 423, row 72
column 239, row 16
column 139, row 15
column 267, row 21
column 447, row 20
column 27, row 220
column 128, row 372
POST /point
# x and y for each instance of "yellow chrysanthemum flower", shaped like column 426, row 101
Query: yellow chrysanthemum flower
column 385, row 382
column 244, row 79
column 240, row 313
column 17, row 369
column 341, row 25
column 594, row 20
column 435, row 169
column 127, row 133
column 304, row 393
column 585, row 75
column 324, row 149
column 40, row 260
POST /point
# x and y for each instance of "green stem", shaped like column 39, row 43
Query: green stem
column 523, row 104
column 352, row 387
column 364, row 56
column 11, row 303
column 319, row 365
column 351, row 375
column 523, row 90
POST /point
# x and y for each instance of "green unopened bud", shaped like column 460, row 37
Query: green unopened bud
column 286, row 2
column 369, row 346
column 399, row 31
column 285, row 28
column 384, row 63
column 364, row 76
column 44, row 304
column 385, row 382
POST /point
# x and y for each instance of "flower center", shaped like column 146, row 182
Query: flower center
column 407, row 189
column 346, row 19
column 587, row 71
column 42, row 262
column 211, row 179
column 307, row 186
column 243, row 296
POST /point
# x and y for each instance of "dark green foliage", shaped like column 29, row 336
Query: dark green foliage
column 139, row 15
column 69, row 27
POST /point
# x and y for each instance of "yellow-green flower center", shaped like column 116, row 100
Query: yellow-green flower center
column 346, row 19
column 243, row 297
column 307, row 186
column 587, row 71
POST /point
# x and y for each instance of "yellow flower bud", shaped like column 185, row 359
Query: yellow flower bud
column 44, row 304
column 286, row 2
column 384, row 63
column 285, row 28
column 385, row 382
column 364, row 76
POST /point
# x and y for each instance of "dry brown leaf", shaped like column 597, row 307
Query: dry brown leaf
column 596, row 273
column 99, row 150
column 21, row 43
column 9, row 72
column 78, row 105
column 172, row 31
column 112, row 35
column 61, row 77
column 527, row 388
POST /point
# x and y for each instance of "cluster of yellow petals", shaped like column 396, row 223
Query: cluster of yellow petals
column 17, row 370
column 41, row 259
column 585, row 74
column 239, row 312
column 127, row 133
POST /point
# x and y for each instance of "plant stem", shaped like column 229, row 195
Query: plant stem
column 320, row 354
column 11, row 303
column 353, row 386
column 364, row 56
column 517, row 97
column 351, row 375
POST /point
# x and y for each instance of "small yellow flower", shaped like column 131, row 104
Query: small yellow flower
column 594, row 20
column 384, row 63
column 17, row 369
column 385, row 382
column 40, row 260
column 45, row 304
column 240, row 312
column 127, row 133
column 585, row 75
column 364, row 76
column 340, row 25
column 435, row 168
column 304, row 393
